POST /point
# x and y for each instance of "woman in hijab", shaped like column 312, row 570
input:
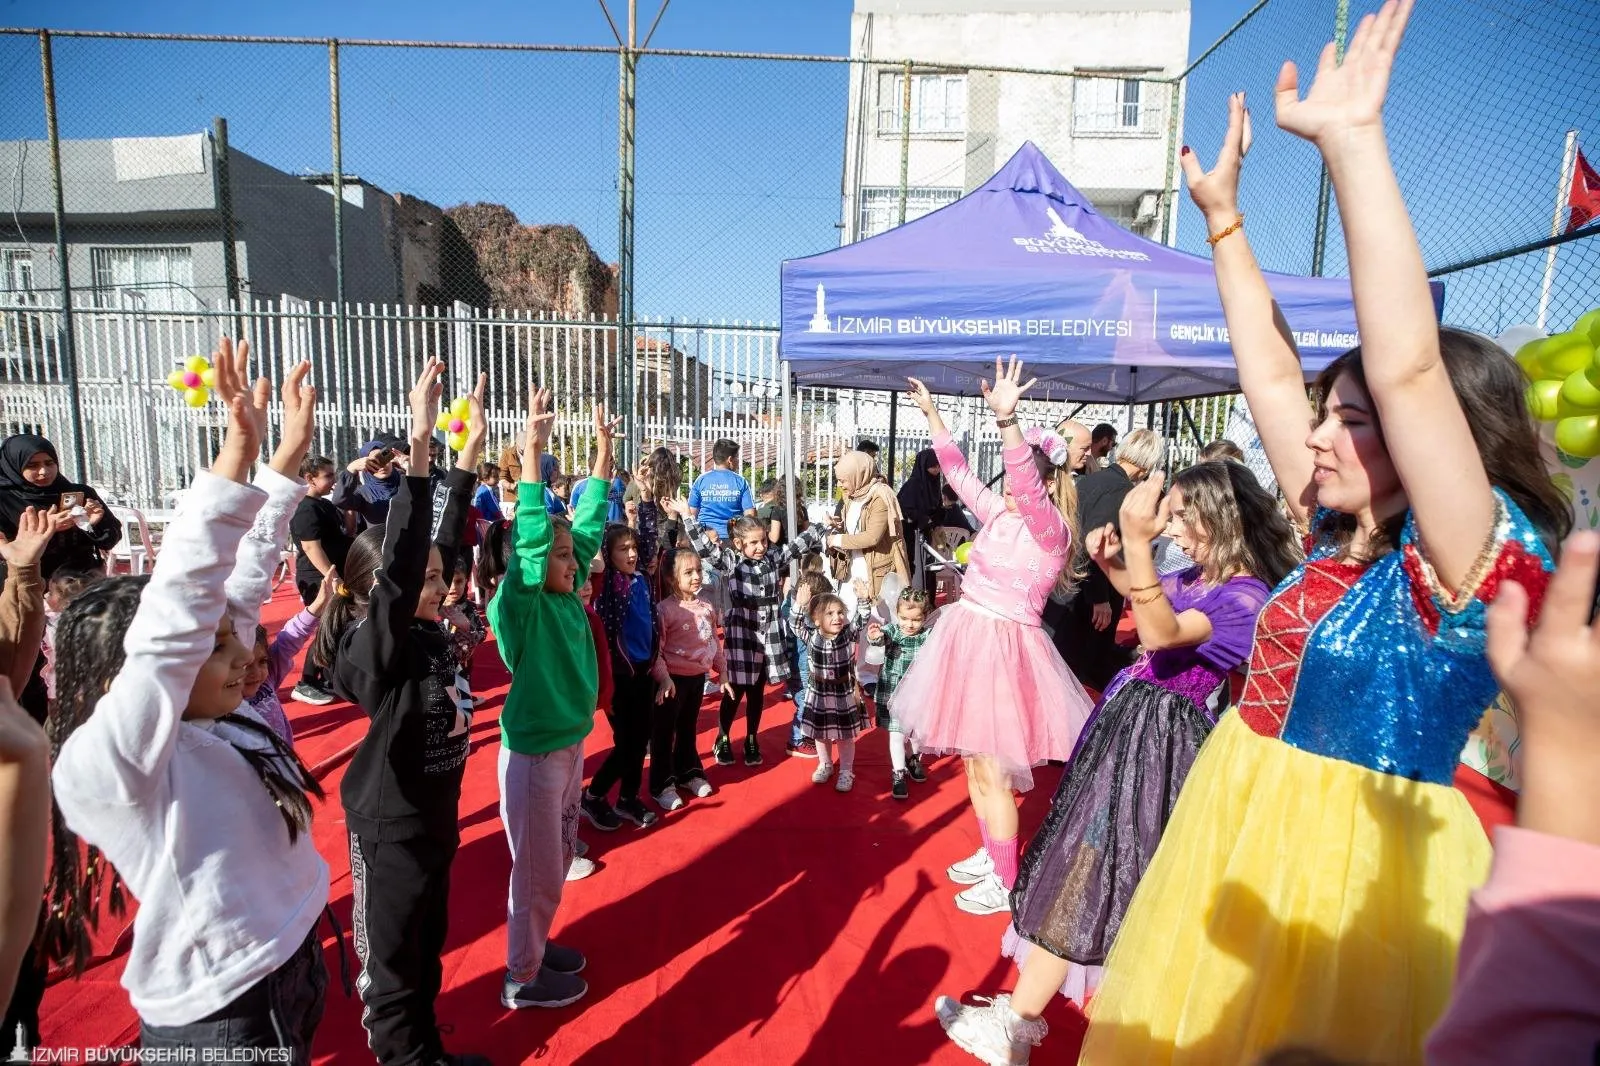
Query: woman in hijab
column 872, row 540
column 30, row 476
column 922, row 504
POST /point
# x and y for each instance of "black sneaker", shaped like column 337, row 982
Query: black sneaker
column 752, row 752
column 601, row 815
column 900, row 790
column 563, row 959
column 914, row 768
column 548, row 989
column 722, row 750
column 311, row 694
column 634, row 810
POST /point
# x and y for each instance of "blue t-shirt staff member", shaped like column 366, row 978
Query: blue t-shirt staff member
column 720, row 495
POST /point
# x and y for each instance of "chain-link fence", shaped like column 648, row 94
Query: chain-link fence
column 595, row 217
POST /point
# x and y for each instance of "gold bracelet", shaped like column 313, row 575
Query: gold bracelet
column 1144, row 588
column 1141, row 601
column 1238, row 224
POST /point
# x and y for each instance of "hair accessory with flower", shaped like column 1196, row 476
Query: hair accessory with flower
column 1051, row 444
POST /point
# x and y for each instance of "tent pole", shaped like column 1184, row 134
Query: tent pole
column 1133, row 395
column 788, row 463
column 894, row 410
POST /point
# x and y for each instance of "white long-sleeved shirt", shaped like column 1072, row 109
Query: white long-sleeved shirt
column 224, row 897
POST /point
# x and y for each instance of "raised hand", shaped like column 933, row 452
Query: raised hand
column 34, row 530
column 1216, row 192
column 247, row 410
column 536, row 434
column 1145, row 511
column 1006, row 392
column 325, row 591
column 299, row 421
column 424, row 402
column 605, row 433
column 1348, row 96
column 1103, row 545
column 920, row 396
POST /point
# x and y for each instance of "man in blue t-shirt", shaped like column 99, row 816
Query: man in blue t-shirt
column 720, row 495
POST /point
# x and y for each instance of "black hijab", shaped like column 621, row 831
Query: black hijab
column 922, row 496
column 72, row 546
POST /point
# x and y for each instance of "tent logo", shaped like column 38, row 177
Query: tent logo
column 819, row 321
column 1062, row 239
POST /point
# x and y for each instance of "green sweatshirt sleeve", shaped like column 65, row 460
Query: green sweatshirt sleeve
column 532, row 535
column 589, row 524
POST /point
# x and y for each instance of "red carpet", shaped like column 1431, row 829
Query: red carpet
column 774, row 922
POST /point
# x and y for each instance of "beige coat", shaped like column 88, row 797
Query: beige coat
column 880, row 540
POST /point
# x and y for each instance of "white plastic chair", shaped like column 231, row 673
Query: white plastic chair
column 140, row 554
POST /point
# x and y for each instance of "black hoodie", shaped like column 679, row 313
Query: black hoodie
column 405, row 778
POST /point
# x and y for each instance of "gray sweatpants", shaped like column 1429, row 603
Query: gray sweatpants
column 539, row 808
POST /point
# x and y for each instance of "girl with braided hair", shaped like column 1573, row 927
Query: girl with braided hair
column 168, row 775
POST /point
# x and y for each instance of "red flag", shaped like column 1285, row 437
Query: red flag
column 1584, row 199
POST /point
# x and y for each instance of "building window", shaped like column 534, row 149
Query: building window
column 938, row 103
column 1111, row 105
column 880, row 207
column 155, row 279
column 18, row 278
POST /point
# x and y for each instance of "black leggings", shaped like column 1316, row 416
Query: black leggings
column 632, row 710
column 754, row 695
column 674, row 757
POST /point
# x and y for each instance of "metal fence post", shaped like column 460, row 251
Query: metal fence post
column 1319, row 246
column 1169, row 195
column 224, row 187
column 64, row 337
column 905, row 140
column 341, row 347
column 626, row 116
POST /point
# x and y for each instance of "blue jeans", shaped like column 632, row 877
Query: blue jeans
column 798, row 690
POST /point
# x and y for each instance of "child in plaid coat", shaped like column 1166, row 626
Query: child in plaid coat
column 754, row 638
column 834, row 710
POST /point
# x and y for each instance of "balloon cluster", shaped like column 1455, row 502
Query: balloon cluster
column 1564, row 375
column 194, row 379
column 963, row 552
column 453, row 421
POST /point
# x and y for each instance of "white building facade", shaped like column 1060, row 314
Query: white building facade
column 1106, row 120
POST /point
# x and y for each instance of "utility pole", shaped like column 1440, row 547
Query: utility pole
column 627, row 112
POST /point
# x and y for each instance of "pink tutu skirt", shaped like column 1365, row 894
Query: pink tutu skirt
column 985, row 685
column 1079, row 985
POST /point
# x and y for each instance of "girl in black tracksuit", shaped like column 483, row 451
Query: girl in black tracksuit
column 389, row 655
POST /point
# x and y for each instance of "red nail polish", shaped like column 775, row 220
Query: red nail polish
column 1185, row 150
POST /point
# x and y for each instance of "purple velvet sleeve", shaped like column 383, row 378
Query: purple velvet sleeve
column 287, row 644
column 1232, row 608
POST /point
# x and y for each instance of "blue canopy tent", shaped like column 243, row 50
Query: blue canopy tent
column 1026, row 265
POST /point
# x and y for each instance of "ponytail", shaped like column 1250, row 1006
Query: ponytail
column 348, row 604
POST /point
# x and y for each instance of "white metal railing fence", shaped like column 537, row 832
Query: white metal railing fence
column 694, row 384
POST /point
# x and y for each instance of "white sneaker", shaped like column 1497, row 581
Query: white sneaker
column 991, row 1032
column 846, row 782
column 700, row 788
column 668, row 799
column 972, row 869
column 580, row 868
column 988, row 896
column 820, row 775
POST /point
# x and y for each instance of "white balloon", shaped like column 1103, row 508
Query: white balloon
column 1516, row 336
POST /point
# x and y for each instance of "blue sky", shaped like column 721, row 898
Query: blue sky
column 739, row 162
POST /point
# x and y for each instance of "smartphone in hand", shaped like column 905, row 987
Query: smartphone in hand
column 69, row 500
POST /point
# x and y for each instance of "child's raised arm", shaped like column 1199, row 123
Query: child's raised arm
column 377, row 648
column 121, row 751
column 531, row 535
column 1038, row 511
column 589, row 518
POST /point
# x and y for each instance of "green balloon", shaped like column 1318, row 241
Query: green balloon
column 1544, row 400
column 1563, row 353
column 1589, row 326
column 1528, row 359
column 1579, row 436
column 1580, row 393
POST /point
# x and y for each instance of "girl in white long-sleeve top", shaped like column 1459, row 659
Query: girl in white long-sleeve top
column 163, row 769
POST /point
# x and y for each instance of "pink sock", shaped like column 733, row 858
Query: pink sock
column 1004, row 854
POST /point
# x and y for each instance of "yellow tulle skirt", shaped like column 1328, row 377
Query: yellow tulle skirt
column 1295, row 901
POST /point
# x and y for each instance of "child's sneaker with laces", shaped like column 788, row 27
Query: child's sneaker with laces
column 915, row 769
column 548, row 989
column 847, row 781
column 600, row 814
column 899, row 789
column 820, row 775
column 699, row 787
column 972, row 869
column 636, row 812
column 579, row 868
column 311, row 695
column 988, row 896
column 668, row 799
column 752, row 752
column 804, row 748
column 991, row 1031
column 722, row 750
